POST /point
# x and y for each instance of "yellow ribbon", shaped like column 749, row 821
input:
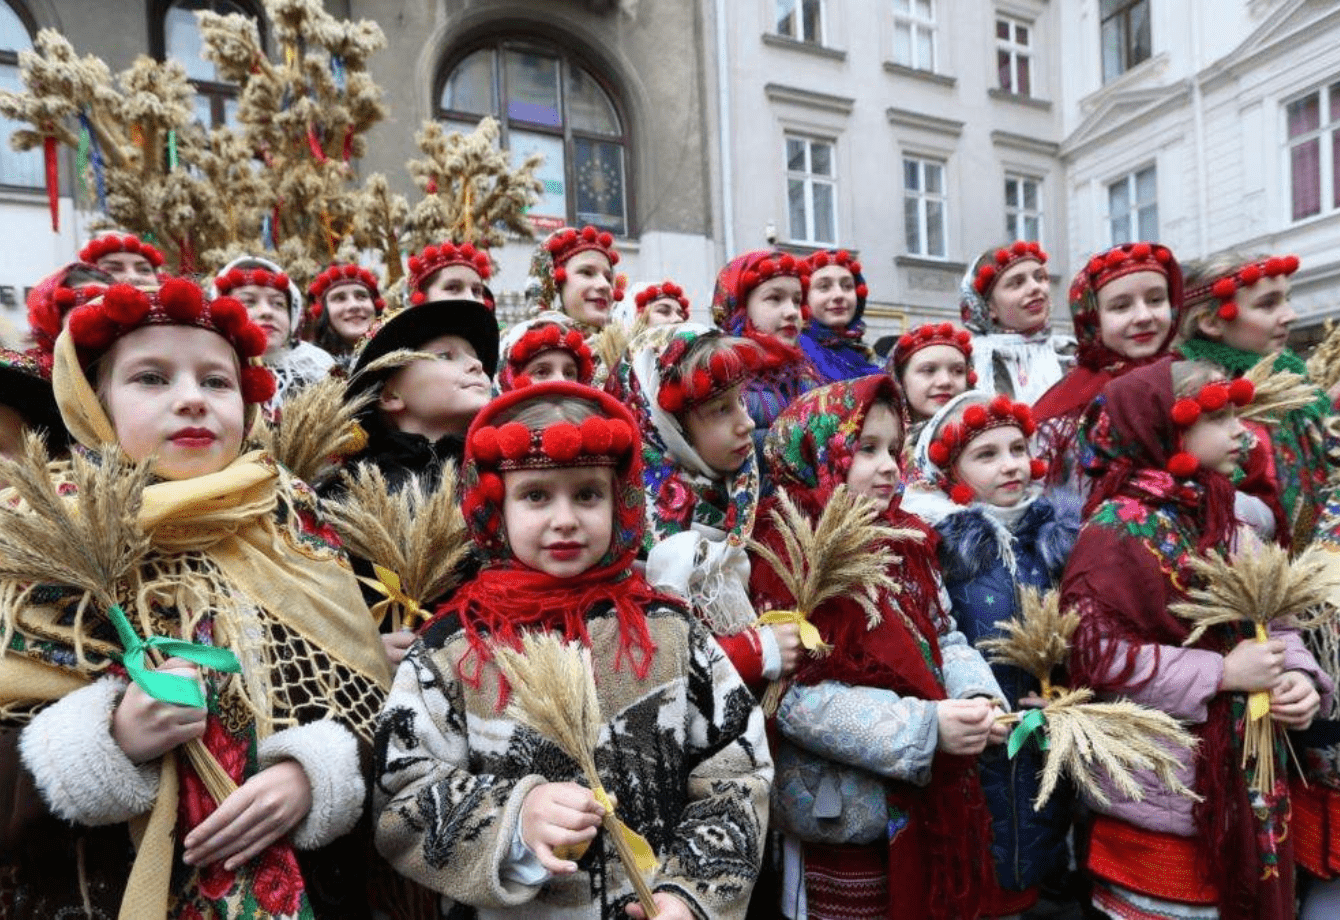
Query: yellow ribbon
column 644, row 858
column 290, row 54
column 387, row 583
column 809, row 633
column 1258, row 703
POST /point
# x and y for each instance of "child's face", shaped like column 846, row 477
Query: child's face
column 588, row 292
column 438, row 396
column 554, row 364
column 664, row 311
column 1134, row 314
column 172, row 392
column 128, row 268
column 832, row 296
column 1021, row 300
column 721, row 431
column 1263, row 321
column 1215, row 439
column 268, row 309
column 874, row 467
column 933, row 376
column 773, row 308
column 455, row 282
column 559, row 521
column 351, row 310
column 995, row 465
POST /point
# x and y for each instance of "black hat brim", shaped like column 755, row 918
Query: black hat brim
column 413, row 327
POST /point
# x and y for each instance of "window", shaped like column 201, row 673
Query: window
column 1014, row 55
column 1133, row 207
column 1313, row 126
column 801, row 20
column 924, row 207
column 810, row 199
column 1023, row 208
column 215, row 100
column 914, row 34
column 1125, row 35
column 21, row 169
column 548, row 102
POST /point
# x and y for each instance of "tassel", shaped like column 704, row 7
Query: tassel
column 53, row 181
column 82, row 179
column 95, row 151
column 172, row 149
column 348, row 143
column 267, row 233
column 274, row 227
column 315, row 145
column 337, row 71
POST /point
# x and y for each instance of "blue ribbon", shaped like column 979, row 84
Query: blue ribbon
column 267, row 233
column 1034, row 722
column 337, row 71
column 95, row 150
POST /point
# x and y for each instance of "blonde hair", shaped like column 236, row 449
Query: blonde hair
column 541, row 413
column 1203, row 272
column 702, row 349
column 1188, row 377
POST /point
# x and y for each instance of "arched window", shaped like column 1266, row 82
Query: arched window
column 16, row 169
column 548, row 102
column 180, row 40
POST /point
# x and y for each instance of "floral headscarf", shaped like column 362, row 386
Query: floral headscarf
column 544, row 284
column 739, row 278
column 839, row 354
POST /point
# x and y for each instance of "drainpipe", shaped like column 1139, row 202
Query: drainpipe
column 724, row 132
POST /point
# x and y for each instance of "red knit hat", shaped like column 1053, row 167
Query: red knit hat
column 98, row 324
column 1224, row 288
column 665, row 290
column 909, row 343
column 1005, row 258
column 112, row 242
column 336, row 275
column 953, row 439
column 1187, row 410
column 425, row 264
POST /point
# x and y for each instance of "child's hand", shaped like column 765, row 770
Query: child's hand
column 1294, row 700
column 965, row 725
column 559, row 814
column 397, row 644
column 1000, row 731
column 668, row 907
column 1253, row 665
column 264, row 808
column 788, row 643
column 146, row 728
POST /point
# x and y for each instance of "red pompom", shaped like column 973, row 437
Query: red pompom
column 671, row 397
column 484, row 446
column 701, row 384
column 1227, row 311
column 522, row 380
column 1002, row 256
column 1185, row 412
column 560, row 276
column 938, row 453
column 862, row 291
column 550, row 335
column 975, row 416
column 181, row 300
column 589, row 233
column 944, row 330
column 1250, row 274
column 1114, row 258
column 1096, row 265
column 1001, row 405
column 125, row 304
column 621, row 436
column 1183, row 465
column 972, row 378
column 905, row 341
column 720, row 365
column 962, row 494
column 574, row 341
column 91, row 329
column 514, row 440
column 562, row 442
column 250, row 341
column 418, row 298
column 258, row 384
column 1274, row 266
column 1290, row 264
column 491, row 488
column 1019, row 247
column 1241, row 391
column 230, row 315
column 1037, row 468
column 1213, row 397
column 1224, row 288
column 1141, row 251
column 618, row 293
column 65, row 298
column 596, row 437
column 951, row 435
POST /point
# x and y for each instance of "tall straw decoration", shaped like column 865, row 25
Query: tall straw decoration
column 1259, row 585
column 1277, row 393
column 1079, row 737
column 842, row 554
column 94, row 544
column 1323, row 366
column 553, row 690
column 317, row 431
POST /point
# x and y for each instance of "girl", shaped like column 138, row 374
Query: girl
column 543, row 349
column 1005, row 300
column 344, row 302
column 660, row 305
column 1161, row 443
column 761, row 296
column 1125, row 305
column 932, row 364
column 236, row 559
column 274, row 304
column 475, row 804
column 450, row 272
column 126, row 258
column 27, row 402
column 572, row 272
column 832, row 339
column 683, row 383
column 999, row 532
column 877, row 787
column 51, row 300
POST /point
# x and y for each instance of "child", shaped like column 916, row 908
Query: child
column 1161, row 443
column 474, row 804
column 543, row 349
column 877, row 787
column 344, row 302
column 683, row 383
column 274, row 304
column 236, row 559
column 126, row 258
column 1005, row 300
column 832, row 339
column 572, row 272
column 27, row 402
column 932, row 364
column 659, row 305
column 761, row 296
column 450, row 272
column 999, row 532
column 1125, row 304
column 51, row 300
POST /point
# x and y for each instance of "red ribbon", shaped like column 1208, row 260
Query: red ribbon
column 348, row 144
column 315, row 145
column 53, row 181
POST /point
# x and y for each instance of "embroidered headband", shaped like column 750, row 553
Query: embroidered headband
column 235, row 278
column 954, row 437
column 424, row 264
column 724, row 369
column 596, row 441
column 843, row 259
column 909, row 343
column 1004, row 259
column 96, row 325
column 550, row 337
column 106, row 245
column 1126, row 259
column 1187, row 411
column 1225, row 288
column 785, row 265
column 666, row 289
column 336, row 275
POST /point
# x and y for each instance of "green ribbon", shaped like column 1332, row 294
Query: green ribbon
column 168, row 688
column 1033, row 722
column 172, row 149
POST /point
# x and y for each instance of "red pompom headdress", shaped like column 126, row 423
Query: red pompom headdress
column 666, row 289
column 1187, row 411
column 566, row 243
column 545, row 336
column 425, row 264
column 909, row 343
column 235, row 278
column 97, row 325
column 1225, row 287
column 596, row 441
column 725, row 369
column 845, row 259
column 112, row 242
column 336, row 275
column 1004, row 259
column 953, row 438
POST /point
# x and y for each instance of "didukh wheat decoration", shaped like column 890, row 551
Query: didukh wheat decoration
column 1323, row 366
column 1079, row 737
column 553, row 690
column 318, row 430
column 1260, row 585
column 843, row 554
column 1277, row 393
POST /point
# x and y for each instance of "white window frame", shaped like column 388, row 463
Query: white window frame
column 1127, row 48
column 905, row 13
column 1016, row 51
column 1325, row 134
column 795, row 20
column 17, row 170
column 1017, row 213
column 809, row 179
column 1135, row 207
column 920, row 199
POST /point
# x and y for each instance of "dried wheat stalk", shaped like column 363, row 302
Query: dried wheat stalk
column 1323, row 366
column 1038, row 639
column 553, row 690
column 610, row 344
column 317, row 431
column 1277, row 392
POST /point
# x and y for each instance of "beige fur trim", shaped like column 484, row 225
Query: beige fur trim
column 328, row 754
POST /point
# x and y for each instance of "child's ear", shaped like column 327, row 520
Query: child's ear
column 1210, row 325
column 389, row 400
